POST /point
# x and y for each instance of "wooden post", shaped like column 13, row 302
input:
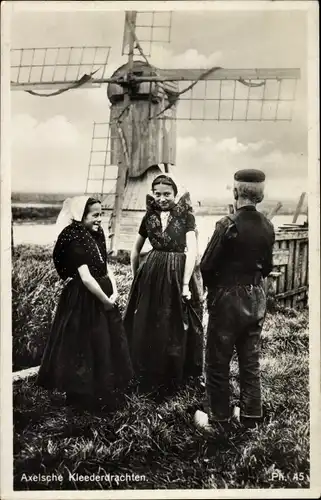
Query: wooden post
column 271, row 283
column 297, row 271
column 127, row 149
column 304, row 268
column 298, row 208
column 274, row 210
column 283, row 246
column 289, row 272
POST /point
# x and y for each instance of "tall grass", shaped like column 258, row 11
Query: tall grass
column 158, row 442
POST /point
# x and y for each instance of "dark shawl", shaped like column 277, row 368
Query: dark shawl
column 77, row 246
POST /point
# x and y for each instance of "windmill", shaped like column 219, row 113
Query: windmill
column 139, row 141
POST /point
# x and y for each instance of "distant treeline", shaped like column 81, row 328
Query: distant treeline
column 263, row 207
column 51, row 198
column 33, row 214
column 49, row 213
column 208, row 203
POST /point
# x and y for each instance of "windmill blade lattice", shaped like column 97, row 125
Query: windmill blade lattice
column 56, row 67
column 152, row 27
column 102, row 173
column 232, row 100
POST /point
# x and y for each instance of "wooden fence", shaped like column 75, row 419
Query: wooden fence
column 290, row 269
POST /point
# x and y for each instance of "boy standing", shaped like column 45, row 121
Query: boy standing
column 236, row 260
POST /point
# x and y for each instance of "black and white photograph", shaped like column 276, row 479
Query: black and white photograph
column 160, row 249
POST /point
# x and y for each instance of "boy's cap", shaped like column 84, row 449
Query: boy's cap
column 249, row 175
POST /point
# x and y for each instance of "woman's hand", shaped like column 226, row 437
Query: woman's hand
column 186, row 294
column 134, row 256
column 109, row 304
column 189, row 263
column 114, row 297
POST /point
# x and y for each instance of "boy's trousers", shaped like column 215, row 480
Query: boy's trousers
column 236, row 316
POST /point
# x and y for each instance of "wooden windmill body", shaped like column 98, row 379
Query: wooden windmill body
column 142, row 145
column 140, row 140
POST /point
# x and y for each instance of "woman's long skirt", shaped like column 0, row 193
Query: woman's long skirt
column 87, row 351
column 164, row 332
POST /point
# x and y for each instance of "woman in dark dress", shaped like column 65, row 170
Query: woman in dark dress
column 87, row 353
column 163, row 315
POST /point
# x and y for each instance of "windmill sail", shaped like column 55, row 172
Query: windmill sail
column 217, row 73
column 102, row 172
column 231, row 100
column 130, row 21
column 57, row 67
column 150, row 27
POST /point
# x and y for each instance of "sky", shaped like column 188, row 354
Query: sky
column 51, row 137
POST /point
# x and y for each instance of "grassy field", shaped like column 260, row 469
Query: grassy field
column 158, row 442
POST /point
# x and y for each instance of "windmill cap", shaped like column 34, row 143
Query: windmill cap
column 249, row 175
